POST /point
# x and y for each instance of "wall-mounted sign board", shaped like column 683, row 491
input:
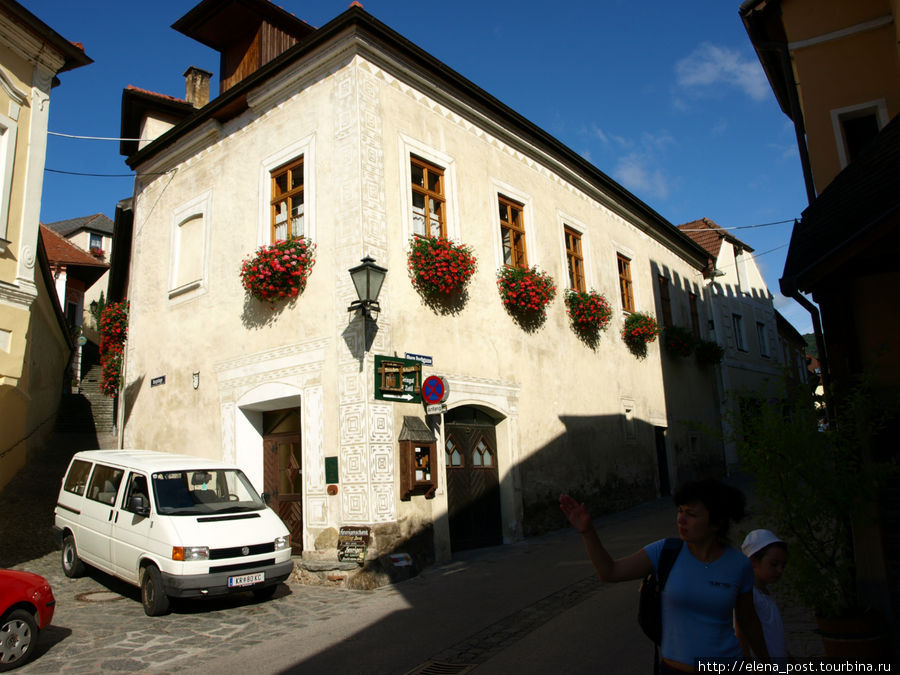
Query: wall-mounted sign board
column 398, row 379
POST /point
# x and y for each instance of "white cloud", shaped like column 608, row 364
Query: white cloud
column 597, row 132
column 709, row 66
column 636, row 172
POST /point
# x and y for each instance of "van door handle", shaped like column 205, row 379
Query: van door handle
column 110, row 516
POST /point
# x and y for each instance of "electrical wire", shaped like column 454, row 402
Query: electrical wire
column 106, row 175
column 737, row 227
column 96, row 138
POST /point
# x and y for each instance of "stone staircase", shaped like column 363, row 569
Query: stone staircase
column 89, row 411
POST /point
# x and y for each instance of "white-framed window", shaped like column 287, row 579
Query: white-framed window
column 627, row 284
column 854, row 126
column 8, row 130
column 763, row 337
column 575, row 249
column 189, row 248
column 737, row 325
column 287, row 192
column 515, row 241
column 428, row 180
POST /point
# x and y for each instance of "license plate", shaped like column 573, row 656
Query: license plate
column 246, row 580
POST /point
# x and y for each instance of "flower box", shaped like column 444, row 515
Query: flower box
column 639, row 331
column 525, row 291
column 679, row 341
column 588, row 311
column 438, row 266
column 280, row 270
column 709, row 353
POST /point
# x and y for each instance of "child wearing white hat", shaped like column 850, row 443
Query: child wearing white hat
column 768, row 556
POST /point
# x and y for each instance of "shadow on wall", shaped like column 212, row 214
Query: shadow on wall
column 128, row 397
column 27, row 503
column 592, row 459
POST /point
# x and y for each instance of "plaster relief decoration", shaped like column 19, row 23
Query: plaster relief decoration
column 354, row 467
column 367, row 486
column 355, row 505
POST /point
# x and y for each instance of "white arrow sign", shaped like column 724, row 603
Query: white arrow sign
column 402, row 397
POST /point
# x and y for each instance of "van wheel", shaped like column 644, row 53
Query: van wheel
column 71, row 563
column 265, row 592
column 153, row 595
column 18, row 636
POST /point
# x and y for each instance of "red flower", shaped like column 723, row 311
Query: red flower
column 438, row 266
column 525, row 290
column 265, row 277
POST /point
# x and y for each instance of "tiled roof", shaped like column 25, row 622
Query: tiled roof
column 60, row 251
column 856, row 207
column 164, row 97
column 710, row 236
column 97, row 223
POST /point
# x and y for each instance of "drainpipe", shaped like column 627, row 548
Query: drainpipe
column 789, row 289
column 796, row 114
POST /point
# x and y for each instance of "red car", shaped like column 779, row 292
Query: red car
column 26, row 607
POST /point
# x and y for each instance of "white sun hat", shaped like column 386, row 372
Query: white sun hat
column 757, row 540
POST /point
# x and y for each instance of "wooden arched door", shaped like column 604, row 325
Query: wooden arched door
column 473, row 486
column 283, row 470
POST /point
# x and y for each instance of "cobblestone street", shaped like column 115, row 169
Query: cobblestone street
column 495, row 610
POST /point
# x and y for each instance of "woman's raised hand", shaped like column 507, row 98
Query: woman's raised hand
column 577, row 514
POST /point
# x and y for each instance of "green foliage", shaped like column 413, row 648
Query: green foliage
column 709, row 353
column 811, row 347
column 813, row 484
column 679, row 341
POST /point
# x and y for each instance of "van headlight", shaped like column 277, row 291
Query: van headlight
column 188, row 553
column 282, row 543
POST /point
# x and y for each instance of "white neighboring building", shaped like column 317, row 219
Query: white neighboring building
column 348, row 120
column 744, row 323
column 93, row 234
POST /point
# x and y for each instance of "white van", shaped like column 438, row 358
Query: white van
column 174, row 525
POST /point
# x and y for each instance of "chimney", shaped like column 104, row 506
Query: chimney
column 196, row 86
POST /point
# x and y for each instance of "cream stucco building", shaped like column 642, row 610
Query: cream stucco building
column 34, row 346
column 293, row 393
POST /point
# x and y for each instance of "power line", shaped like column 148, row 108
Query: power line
column 106, row 175
column 737, row 227
column 96, row 138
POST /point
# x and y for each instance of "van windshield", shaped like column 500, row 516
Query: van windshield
column 196, row 493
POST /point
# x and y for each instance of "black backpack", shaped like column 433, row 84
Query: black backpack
column 650, row 607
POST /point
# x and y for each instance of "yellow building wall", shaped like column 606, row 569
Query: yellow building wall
column 841, row 71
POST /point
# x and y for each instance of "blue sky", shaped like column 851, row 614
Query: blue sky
column 667, row 98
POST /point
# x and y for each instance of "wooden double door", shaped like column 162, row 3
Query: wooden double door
column 473, row 486
column 283, row 470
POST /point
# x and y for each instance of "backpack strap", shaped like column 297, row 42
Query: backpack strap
column 670, row 550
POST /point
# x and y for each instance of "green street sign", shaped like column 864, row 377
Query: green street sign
column 398, row 379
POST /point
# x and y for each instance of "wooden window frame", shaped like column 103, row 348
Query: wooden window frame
column 695, row 314
column 574, row 259
column 516, row 227
column 626, row 286
column 763, row 340
column 275, row 198
column 429, row 195
column 737, row 325
column 665, row 301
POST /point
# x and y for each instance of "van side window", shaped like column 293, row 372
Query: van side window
column 77, row 478
column 104, row 484
column 137, row 485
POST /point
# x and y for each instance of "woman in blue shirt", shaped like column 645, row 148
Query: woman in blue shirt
column 710, row 584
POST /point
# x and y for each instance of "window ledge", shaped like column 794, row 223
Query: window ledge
column 186, row 288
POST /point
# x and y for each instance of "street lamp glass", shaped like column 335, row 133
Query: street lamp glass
column 367, row 279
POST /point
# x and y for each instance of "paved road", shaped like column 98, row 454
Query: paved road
column 531, row 607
